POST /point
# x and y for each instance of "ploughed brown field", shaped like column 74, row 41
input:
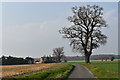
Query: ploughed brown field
column 16, row 70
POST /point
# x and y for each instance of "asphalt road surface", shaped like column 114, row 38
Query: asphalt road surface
column 81, row 73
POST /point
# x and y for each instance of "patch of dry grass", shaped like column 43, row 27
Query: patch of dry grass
column 11, row 70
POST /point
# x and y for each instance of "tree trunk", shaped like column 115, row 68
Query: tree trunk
column 87, row 59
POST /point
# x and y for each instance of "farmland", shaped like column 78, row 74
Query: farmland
column 62, row 73
column 108, row 65
column 100, row 69
column 14, row 70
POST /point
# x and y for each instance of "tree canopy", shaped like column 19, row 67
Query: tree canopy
column 85, row 32
column 58, row 53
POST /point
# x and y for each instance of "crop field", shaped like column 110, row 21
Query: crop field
column 14, row 70
column 108, row 65
column 56, row 73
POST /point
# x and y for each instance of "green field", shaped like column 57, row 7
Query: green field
column 104, row 69
column 108, row 65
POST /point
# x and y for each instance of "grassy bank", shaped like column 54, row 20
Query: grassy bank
column 62, row 73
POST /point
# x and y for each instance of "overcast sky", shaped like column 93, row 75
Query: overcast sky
column 31, row 28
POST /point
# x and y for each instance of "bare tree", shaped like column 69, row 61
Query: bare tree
column 85, row 33
column 58, row 53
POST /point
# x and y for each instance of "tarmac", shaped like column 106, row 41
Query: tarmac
column 81, row 73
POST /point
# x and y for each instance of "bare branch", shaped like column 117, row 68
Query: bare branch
column 85, row 34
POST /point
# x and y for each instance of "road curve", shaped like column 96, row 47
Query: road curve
column 80, row 72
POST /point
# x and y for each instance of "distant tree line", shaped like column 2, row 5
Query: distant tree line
column 16, row 61
column 102, row 57
column 106, row 57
